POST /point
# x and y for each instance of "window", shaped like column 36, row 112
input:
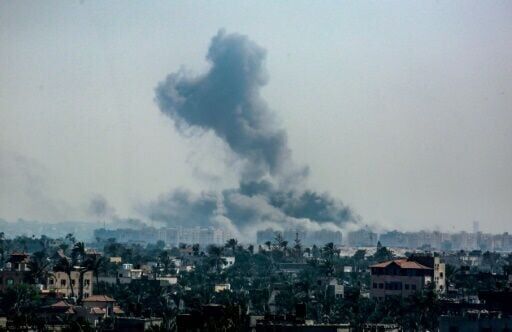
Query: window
column 50, row 281
column 413, row 287
column 381, row 286
column 10, row 282
column 441, row 275
column 87, row 282
column 374, row 285
column 406, row 286
column 73, row 282
column 63, row 282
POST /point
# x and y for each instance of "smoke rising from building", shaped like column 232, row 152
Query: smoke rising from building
column 227, row 101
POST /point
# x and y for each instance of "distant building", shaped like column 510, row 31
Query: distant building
column 399, row 277
column 306, row 237
column 362, row 238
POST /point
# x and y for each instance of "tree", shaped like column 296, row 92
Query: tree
column 20, row 303
column 231, row 243
column 65, row 265
column 78, row 258
column 70, row 238
column 280, row 242
column 165, row 261
column 96, row 264
column 383, row 254
column 195, row 249
column 38, row 265
column 216, row 259
column 297, row 247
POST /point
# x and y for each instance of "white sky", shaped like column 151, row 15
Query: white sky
column 401, row 109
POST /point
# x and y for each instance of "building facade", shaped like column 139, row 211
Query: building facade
column 399, row 277
column 59, row 282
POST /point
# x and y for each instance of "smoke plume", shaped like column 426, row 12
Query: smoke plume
column 226, row 100
column 100, row 208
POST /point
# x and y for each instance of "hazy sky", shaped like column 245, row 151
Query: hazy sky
column 401, row 109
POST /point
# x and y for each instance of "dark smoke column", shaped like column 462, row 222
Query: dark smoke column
column 227, row 100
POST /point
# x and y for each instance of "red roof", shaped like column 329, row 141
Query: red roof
column 403, row 264
column 61, row 304
column 99, row 298
column 97, row 311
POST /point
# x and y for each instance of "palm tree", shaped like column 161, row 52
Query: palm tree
column 231, row 243
column 78, row 257
column 65, row 265
column 95, row 264
column 165, row 260
column 328, row 253
column 216, row 259
column 70, row 238
column 38, row 265
column 78, row 252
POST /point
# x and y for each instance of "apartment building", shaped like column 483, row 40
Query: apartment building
column 399, row 277
column 59, row 282
column 438, row 269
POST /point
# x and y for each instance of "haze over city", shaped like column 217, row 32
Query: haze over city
column 340, row 115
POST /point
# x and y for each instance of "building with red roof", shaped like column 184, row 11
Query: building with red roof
column 399, row 277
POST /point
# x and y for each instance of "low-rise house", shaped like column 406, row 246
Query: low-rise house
column 124, row 275
column 171, row 280
column 399, row 277
column 334, row 289
column 222, row 287
column 98, row 307
column 116, row 259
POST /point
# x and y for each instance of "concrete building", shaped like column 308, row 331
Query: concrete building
column 399, row 277
column 438, row 269
column 15, row 272
column 362, row 238
column 58, row 282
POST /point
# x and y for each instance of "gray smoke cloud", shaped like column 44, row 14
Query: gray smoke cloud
column 227, row 101
column 100, row 208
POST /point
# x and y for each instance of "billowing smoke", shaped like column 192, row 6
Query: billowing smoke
column 227, row 101
column 100, row 208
